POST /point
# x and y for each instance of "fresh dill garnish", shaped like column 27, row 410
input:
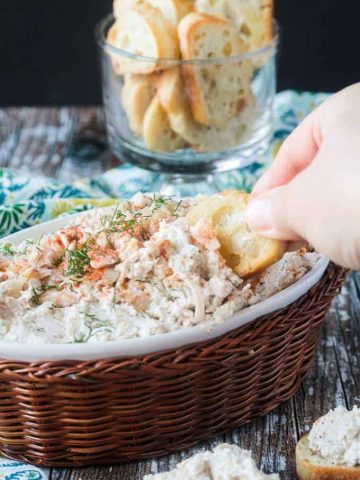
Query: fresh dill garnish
column 158, row 201
column 35, row 296
column 38, row 291
column 176, row 211
column 57, row 261
column 7, row 249
column 77, row 261
column 144, row 281
column 94, row 325
column 118, row 221
column 171, row 298
column 33, row 243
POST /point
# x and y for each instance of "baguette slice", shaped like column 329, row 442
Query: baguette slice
column 136, row 96
column 313, row 467
column 120, row 6
column 217, row 91
column 144, row 31
column 255, row 18
column 252, row 18
column 157, row 131
column 173, row 98
column 173, row 10
column 244, row 251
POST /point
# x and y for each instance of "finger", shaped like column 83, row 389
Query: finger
column 296, row 153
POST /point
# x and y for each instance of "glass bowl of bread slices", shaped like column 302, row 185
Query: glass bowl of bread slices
column 189, row 84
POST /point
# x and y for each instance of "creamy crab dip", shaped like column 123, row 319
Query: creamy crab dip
column 335, row 437
column 133, row 270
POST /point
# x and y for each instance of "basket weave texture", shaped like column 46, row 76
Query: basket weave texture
column 76, row 413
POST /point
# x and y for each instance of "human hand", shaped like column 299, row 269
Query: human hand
column 312, row 189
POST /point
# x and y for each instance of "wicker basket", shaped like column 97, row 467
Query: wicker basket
column 73, row 413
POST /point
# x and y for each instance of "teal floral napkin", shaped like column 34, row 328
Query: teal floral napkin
column 27, row 201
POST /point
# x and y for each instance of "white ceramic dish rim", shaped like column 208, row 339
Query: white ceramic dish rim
column 152, row 344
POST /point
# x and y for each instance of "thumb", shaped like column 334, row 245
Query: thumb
column 278, row 213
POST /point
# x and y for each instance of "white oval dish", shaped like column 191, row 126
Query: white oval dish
column 141, row 346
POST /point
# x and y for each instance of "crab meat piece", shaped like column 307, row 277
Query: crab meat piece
column 101, row 258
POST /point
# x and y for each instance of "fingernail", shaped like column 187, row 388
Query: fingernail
column 258, row 214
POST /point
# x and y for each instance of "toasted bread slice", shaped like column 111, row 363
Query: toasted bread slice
column 255, row 18
column 173, row 10
column 313, row 467
column 217, row 90
column 244, row 250
column 144, row 31
column 252, row 18
column 136, row 96
column 157, row 131
column 120, row 6
column 173, row 97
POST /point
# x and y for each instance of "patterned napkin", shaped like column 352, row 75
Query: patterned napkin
column 26, row 201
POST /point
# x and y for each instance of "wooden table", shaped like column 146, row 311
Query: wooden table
column 68, row 143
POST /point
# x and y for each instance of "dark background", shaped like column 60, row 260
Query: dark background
column 48, row 52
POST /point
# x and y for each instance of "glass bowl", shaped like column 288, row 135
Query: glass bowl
column 187, row 119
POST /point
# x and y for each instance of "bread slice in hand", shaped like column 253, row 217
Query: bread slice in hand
column 245, row 251
column 143, row 30
column 217, row 91
column 310, row 466
column 157, row 131
column 136, row 96
column 173, row 97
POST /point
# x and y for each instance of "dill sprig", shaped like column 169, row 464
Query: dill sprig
column 94, row 325
column 158, row 201
column 36, row 292
column 7, row 249
column 77, row 261
column 33, row 243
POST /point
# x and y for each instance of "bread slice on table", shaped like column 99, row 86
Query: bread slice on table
column 244, row 251
column 218, row 90
column 174, row 99
column 157, row 132
column 144, row 31
column 136, row 96
column 310, row 466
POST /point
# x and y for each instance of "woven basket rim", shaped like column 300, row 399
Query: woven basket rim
column 159, row 343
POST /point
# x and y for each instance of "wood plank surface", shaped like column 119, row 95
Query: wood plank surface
column 70, row 143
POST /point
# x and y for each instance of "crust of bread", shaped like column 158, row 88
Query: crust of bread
column 308, row 468
column 217, row 91
column 158, row 35
column 244, row 251
column 173, row 97
column 136, row 96
column 157, row 131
